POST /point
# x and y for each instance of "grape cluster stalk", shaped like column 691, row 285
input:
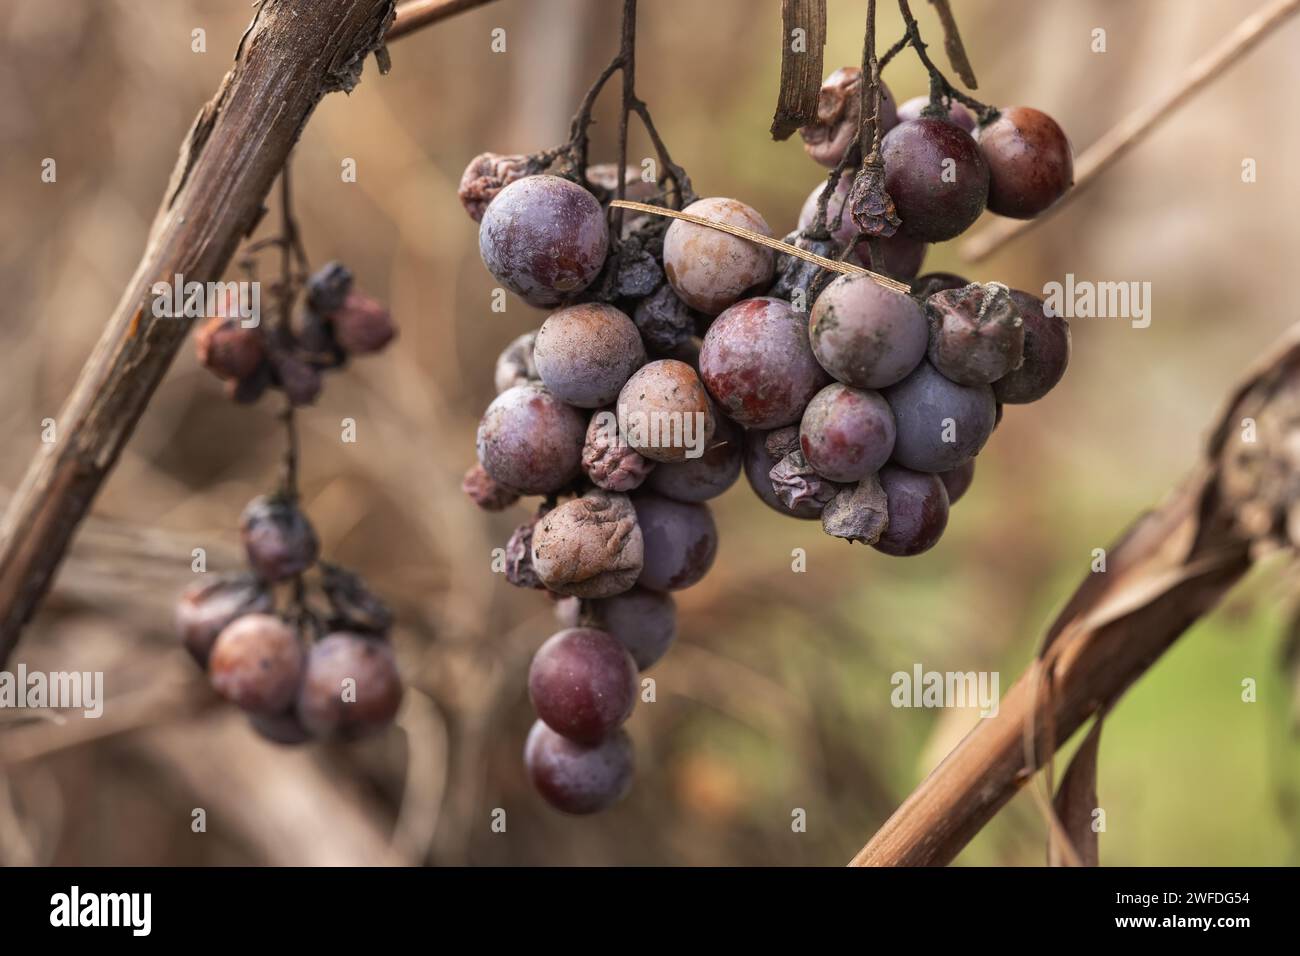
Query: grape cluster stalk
column 676, row 356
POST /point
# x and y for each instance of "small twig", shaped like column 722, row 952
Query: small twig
column 414, row 14
column 762, row 240
column 1139, row 124
column 899, row 46
column 939, row 85
column 627, row 54
column 952, row 44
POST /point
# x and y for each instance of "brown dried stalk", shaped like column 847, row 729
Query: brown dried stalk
column 1139, row 124
column 1172, row 567
column 293, row 53
column 953, row 46
column 846, row 268
column 801, row 70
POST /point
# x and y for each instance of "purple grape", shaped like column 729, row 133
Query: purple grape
column 1047, row 353
column 350, row 686
column 940, row 424
column 918, row 511
column 530, row 441
column 759, row 463
column 709, row 475
column 957, row 481
column 645, row 622
column 586, row 353
column 936, row 176
column 574, row 778
column 902, row 256
column 544, row 238
column 957, row 114
column 709, row 269
column 846, row 433
column 866, row 335
column 209, row 606
column 681, row 541
column 583, row 684
column 757, row 364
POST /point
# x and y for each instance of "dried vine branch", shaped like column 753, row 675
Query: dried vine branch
column 1171, row 568
column 1139, row 124
column 293, row 53
column 953, row 45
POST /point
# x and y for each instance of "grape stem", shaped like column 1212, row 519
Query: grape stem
column 940, row 87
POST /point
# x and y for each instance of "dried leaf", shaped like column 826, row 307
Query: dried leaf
column 1076, row 800
column 803, row 35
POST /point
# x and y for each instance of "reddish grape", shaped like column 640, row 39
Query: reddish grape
column 918, row 511
column 583, row 684
column 664, row 411
column 575, row 778
column 708, row 269
column 866, row 335
column 846, row 433
column 530, row 441
column 544, row 238
column 256, row 663
column 936, row 176
column 758, row 365
column 206, row 608
column 1030, row 162
column 1047, row 353
column 586, row 353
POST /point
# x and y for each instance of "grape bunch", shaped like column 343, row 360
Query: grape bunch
column 300, row 670
column 865, row 411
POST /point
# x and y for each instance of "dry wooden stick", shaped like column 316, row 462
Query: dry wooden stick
column 293, row 53
column 1141, row 122
column 1171, row 568
column 758, row 238
column 414, row 14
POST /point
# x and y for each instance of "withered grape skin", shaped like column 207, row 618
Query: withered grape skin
column 902, row 256
column 758, row 364
column 759, row 463
column 1030, row 162
column 664, row 411
column 936, row 176
column 681, row 541
column 709, row 269
column 515, row 365
column 958, row 115
column 279, row 541
column 664, row 321
column 839, row 114
column 586, row 353
column 583, row 684
column 958, row 481
column 256, row 663
column 940, row 424
column 709, row 475
column 208, row 607
column 608, row 461
column 544, row 238
column 589, row 547
column 1046, row 353
column 575, row 778
column 918, row 511
column 531, row 441
column 976, row 333
column 866, row 335
column 645, row 622
column 350, row 686
column 846, row 433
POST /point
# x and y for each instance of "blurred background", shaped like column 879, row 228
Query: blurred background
column 776, row 695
